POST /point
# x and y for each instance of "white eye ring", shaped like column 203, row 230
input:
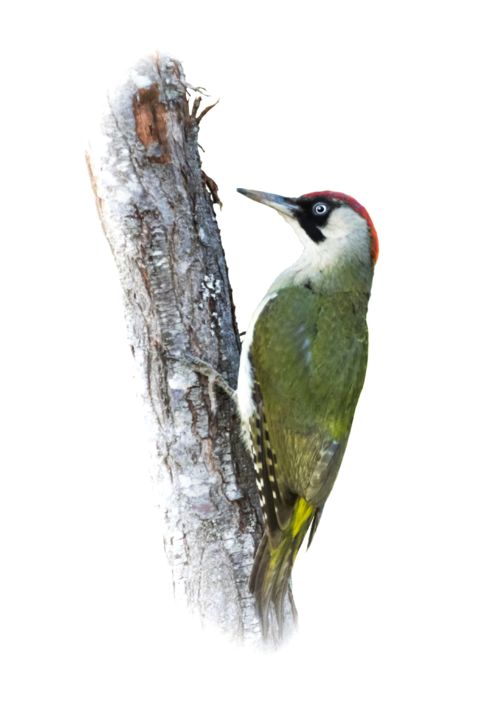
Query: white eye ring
column 320, row 209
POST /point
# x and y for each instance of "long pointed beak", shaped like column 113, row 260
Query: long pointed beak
column 284, row 205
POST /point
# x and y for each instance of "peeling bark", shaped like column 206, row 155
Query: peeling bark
column 156, row 208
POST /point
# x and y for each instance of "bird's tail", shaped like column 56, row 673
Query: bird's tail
column 272, row 567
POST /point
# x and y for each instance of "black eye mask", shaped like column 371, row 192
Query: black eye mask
column 310, row 221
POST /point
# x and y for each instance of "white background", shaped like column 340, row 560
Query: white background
column 378, row 100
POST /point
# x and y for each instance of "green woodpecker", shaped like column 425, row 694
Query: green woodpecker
column 302, row 369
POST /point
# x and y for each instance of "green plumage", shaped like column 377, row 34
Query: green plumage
column 309, row 356
column 309, row 353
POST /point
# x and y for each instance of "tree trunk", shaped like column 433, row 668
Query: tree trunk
column 156, row 208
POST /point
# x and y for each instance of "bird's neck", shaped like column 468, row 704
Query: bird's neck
column 330, row 268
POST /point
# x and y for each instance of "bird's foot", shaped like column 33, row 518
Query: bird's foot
column 215, row 379
column 213, row 376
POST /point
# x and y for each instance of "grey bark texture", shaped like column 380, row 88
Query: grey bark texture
column 156, row 208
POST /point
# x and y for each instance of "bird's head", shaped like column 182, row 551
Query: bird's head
column 329, row 224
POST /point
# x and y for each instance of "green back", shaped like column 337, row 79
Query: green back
column 309, row 354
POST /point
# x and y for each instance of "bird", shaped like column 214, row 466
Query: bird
column 302, row 368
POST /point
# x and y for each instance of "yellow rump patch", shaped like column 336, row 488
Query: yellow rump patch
column 302, row 513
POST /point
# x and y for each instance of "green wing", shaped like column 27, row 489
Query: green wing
column 309, row 354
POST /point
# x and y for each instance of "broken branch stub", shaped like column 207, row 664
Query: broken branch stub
column 155, row 204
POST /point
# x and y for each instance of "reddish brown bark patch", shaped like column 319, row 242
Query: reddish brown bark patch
column 151, row 123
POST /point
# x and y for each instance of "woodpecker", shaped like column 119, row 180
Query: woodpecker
column 302, row 369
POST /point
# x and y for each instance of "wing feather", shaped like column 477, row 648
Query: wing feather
column 275, row 510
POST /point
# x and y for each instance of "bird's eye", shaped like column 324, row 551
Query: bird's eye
column 319, row 209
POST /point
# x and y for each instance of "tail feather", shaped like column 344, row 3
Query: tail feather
column 314, row 525
column 272, row 568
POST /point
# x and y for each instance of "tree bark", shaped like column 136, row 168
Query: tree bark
column 156, row 208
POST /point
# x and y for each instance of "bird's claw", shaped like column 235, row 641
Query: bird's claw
column 206, row 370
